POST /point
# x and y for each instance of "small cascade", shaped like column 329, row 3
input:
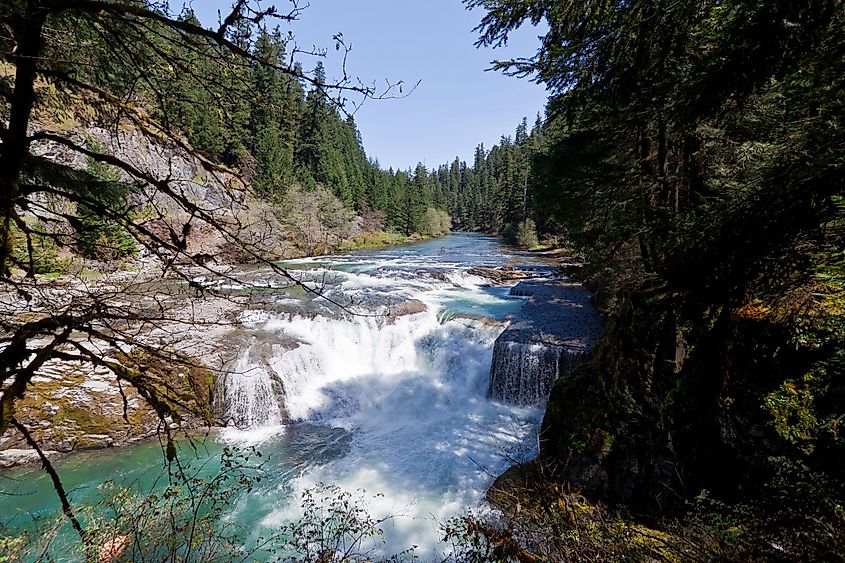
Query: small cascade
column 252, row 392
column 524, row 289
column 570, row 358
column 523, row 373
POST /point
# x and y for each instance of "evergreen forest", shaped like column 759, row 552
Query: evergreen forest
column 688, row 170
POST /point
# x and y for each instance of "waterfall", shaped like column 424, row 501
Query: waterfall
column 523, row 373
column 395, row 404
column 307, row 378
column 251, row 392
column 337, row 351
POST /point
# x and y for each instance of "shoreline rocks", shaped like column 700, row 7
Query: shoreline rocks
column 15, row 457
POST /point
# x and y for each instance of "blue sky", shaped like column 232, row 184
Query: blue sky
column 457, row 105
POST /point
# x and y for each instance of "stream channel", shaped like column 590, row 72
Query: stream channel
column 389, row 396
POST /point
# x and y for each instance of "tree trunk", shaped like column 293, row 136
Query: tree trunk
column 27, row 29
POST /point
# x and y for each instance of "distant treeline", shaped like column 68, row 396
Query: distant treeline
column 493, row 195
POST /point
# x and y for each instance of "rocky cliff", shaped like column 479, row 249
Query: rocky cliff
column 215, row 193
column 553, row 333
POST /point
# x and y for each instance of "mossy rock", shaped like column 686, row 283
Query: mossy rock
column 606, row 426
column 176, row 385
column 71, row 407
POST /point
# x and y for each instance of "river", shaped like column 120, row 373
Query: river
column 363, row 398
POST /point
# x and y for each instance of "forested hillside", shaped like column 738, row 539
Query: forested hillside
column 248, row 107
column 495, row 193
column 283, row 135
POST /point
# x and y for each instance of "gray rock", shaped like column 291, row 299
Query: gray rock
column 16, row 457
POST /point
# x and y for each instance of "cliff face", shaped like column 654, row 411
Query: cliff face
column 218, row 194
column 666, row 409
column 608, row 423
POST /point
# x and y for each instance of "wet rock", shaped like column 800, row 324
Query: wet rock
column 524, row 373
column 523, row 289
column 553, row 333
column 410, row 307
column 74, row 405
column 501, row 276
column 440, row 276
column 15, row 457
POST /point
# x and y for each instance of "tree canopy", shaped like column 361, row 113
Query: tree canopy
column 693, row 152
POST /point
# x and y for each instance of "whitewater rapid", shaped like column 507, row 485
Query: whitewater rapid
column 403, row 398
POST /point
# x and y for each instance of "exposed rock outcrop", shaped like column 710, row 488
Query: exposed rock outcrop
column 76, row 405
column 215, row 193
column 551, row 336
column 16, row 456
column 71, row 406
column 502, row 276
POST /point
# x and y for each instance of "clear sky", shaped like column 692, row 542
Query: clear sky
column 457, row 105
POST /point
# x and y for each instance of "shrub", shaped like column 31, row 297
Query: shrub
column 316, row 220
column 436, row 222
column 45, row 252
column 335, row 526
column 526, row 234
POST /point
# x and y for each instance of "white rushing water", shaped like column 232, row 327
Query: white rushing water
column 409, row 391
column 392, row 400
column 523, row 373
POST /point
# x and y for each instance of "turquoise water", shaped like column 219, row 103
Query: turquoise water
column 29, row 501
column 397, row 408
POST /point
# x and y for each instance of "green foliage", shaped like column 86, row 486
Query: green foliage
column 284, row 136
column 335, row 526
column 543, row 523
column 694, row 154
column 526, row 234
column 10, row 548
column 499, row 190
column 316, row 221
column 436, row 222
column 98, row 235
column 796, row 515
column 44, row 249
column 792, row 414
